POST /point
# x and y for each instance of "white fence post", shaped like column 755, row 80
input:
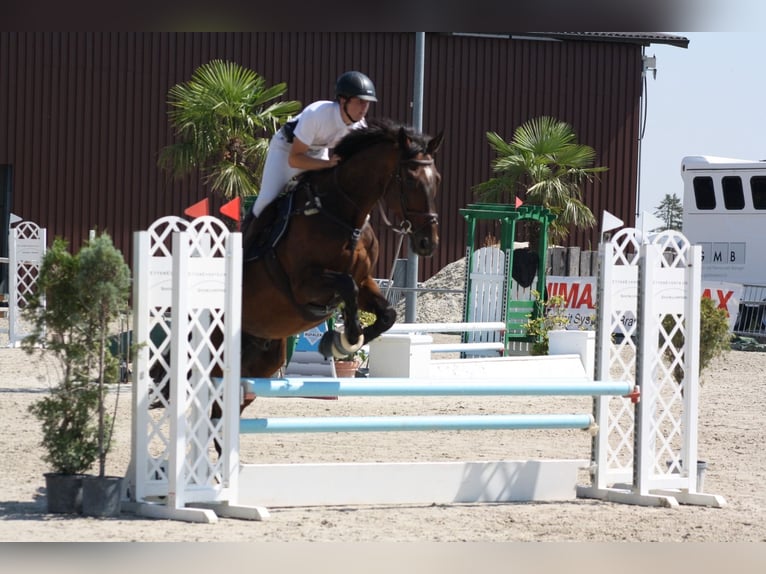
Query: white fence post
column 26, row 247
column 647, row 454
column 197, row 281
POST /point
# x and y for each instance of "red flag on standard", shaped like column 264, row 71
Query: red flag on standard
column 198, row 209
column 519, row 202
column 231, row 209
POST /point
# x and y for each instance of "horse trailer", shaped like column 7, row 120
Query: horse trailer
column 724, row 211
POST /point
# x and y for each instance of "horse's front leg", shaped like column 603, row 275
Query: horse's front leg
column 372, row 299
column 340, row 344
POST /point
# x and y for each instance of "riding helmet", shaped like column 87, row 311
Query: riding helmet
column 355, row 84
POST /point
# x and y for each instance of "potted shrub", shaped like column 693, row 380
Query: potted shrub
column 70, row 439
column 69, row 434
column 77, row 299
column 349, row 365
column 715, row 337
column 551, row 316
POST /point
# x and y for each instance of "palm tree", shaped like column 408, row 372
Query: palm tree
column 223, row 118
column 548, row 167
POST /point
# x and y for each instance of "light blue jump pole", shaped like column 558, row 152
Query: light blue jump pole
column 391, row 386
column 413, row 423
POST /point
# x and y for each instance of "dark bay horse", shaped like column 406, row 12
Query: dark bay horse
column 327, row 253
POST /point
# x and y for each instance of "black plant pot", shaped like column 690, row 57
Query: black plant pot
column 63, row 492
column 101, row 496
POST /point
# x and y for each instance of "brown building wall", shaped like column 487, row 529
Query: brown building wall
column 83, row 115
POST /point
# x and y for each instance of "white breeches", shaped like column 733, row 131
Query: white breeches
column 276, row 172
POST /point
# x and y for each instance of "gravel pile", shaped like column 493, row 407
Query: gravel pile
column 440, row 307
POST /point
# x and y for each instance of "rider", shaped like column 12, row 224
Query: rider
column 304, row 143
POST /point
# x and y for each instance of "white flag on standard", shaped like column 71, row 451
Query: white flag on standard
column 609, row 222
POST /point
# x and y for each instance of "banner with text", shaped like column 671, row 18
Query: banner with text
column 580, row 294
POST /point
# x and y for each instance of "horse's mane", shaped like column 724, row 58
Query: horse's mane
column 378, row 131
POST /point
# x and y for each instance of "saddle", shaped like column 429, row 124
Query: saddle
column 260, row 235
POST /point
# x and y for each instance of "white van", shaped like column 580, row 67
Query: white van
column 725, row 212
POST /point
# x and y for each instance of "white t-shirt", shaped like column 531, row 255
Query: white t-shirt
column 320, row 126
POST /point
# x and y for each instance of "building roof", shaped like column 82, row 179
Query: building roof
column 641, row 38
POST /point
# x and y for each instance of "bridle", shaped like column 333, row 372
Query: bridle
column 405, row 227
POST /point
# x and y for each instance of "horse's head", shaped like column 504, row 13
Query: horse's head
column 411, row 195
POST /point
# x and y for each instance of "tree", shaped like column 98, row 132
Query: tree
column 69, row 434
column 546, row 166
column 671, row 211
column 103, row 281
column 76, row 300
column 224, row 118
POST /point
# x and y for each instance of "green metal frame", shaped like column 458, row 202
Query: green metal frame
column 514, row 312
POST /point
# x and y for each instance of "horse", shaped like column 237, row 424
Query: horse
column 328, row 249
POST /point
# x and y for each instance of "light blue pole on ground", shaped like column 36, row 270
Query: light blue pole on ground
column 413, row 423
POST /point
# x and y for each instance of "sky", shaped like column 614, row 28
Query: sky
column 707, row 99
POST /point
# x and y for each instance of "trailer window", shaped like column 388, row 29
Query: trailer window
column 704, row 196
column 733, row 198
column 758, row 191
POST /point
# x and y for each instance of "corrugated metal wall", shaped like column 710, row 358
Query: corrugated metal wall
column 83, row 115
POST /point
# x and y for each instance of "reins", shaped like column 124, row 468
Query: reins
column 405, row 227
column 393, row 264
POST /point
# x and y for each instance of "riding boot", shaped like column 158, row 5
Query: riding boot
column 249, row 233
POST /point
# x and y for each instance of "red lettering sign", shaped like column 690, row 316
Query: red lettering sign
column 722, row 296
column 575, row 299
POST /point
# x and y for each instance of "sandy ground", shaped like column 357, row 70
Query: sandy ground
column 731, row 438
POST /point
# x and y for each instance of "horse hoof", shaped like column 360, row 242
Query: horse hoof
column 247, row 393
column 347, row 348
column 336, row 345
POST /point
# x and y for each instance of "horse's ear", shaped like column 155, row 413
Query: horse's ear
column 435, row 143
column 404, row 140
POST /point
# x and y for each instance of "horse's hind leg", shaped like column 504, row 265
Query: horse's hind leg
column 260, row 358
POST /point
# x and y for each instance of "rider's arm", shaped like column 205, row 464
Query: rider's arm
column 299, row 159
